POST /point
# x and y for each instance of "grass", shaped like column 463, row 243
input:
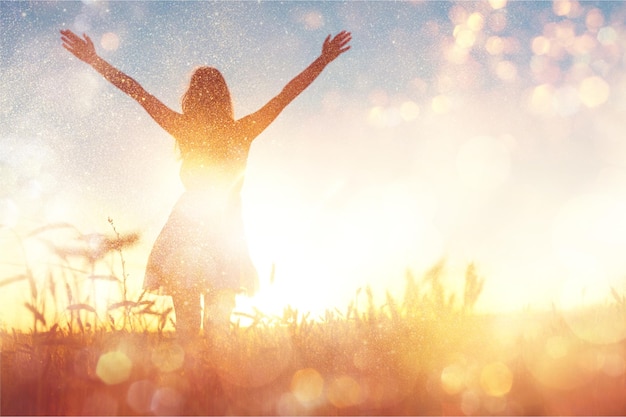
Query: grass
column 425, row 354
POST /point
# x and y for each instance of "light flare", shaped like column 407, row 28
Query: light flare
column 113, row 367
column 498, row 4
column 594, row 20
column 540, row 45
column 344, row 391
column 494, row 45
column 409, row 111
column 441, row 104
column 476, row 22
column 561, row 7
column 453, row 379
column 506, row 70
column 167, row 401
column 607, row 36
column 542, row 99
column 110, row 41
column 312, row 20
column 496, row 379
column 139, row 396
column 594, row 91
column 307, row 385
column 465, row 37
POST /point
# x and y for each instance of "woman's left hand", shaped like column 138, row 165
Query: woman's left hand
column 335, row 46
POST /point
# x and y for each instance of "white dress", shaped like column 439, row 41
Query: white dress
column 202, row 245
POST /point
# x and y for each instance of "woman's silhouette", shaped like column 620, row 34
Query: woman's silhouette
column 201, row 250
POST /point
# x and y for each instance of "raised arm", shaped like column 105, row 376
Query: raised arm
column 83, row 49
column 253, row 124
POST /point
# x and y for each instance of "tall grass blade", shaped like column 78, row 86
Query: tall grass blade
column 36, row 313
column 163, row 318
column 32, row 284
column 620, row 299
column 81, row 306
column 104, row 278
column 8, row 281
column 68, row 291
column 126, row 304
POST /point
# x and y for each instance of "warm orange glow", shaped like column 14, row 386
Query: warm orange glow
column 594, row 91
column 496, row 379
column 113, row 367
column 344, row 391
column 307, row 385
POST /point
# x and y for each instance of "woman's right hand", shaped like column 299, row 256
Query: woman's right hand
column 335, row 46
column 81, row 48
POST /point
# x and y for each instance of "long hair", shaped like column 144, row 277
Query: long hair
column 208, row 98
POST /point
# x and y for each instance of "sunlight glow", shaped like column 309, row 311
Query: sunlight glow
column 483, row 163
column 453, row 379
column 458, row 143
column 113, row 367
column 343, row 391
column 110, row 41
column 315, row 269
column 594, row 91
column 498, row 4
column 441, row 104
column 307, row 385
column 590, row 236
column 9, row 213
column 336, row 206
column 496, row 379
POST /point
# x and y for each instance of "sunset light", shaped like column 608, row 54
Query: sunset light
column 474, row 148
column 431, row 171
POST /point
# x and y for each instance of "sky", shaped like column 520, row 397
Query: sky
column 487, row 132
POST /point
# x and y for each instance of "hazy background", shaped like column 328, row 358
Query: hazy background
column 486, row 132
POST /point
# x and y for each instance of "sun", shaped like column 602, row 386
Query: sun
column 316, row 257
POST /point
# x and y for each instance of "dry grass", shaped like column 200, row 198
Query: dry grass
column 425, row 354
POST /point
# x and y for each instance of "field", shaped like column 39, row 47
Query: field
column 428, row 353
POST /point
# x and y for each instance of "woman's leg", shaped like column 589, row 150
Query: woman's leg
column 187, row 310
column 218, row 306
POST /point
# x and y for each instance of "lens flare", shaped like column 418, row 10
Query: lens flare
column 496, row 379
column 453, row 379
column 113, row 367
column 110, row 41
column 594, row 91
column 344, row 391
column 307, row 385
column 139, row 396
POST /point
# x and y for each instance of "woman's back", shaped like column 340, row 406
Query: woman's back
column 212, row 157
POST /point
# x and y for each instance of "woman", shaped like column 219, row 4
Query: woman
column 201, row 250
